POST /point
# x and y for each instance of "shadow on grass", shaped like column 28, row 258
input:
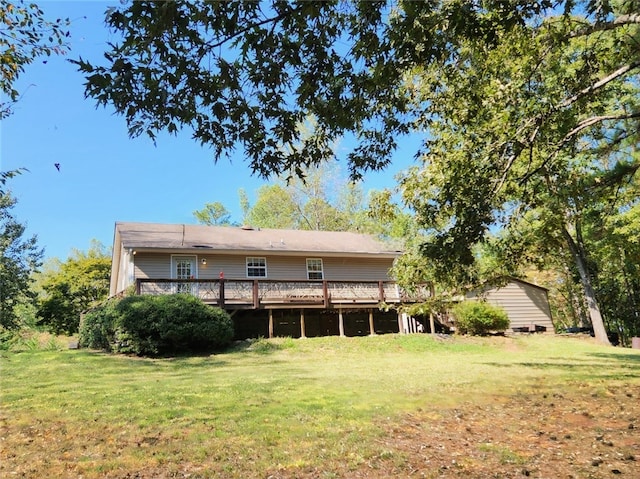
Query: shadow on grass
column 606, row 370
column 630, row 357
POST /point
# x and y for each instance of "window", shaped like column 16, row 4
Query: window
column 314, row 269
column 184, row 267
column 256, row 267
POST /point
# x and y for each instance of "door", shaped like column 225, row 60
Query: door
column 184, row 267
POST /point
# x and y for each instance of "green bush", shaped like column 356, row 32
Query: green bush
column 97, row 327
column 157, row 325
column 478, row 318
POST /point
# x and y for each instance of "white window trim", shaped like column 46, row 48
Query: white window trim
column 321, row 269
column 246, row 262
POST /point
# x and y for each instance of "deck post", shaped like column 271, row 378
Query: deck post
column 221, row 300
column 325, row 294
column 432, row 323
column 372, row 329
column 138, row 286
column 302, row 326
column 401, row 329
column 340, row 322
column 381, row 291
column 271, row 323
column 256, row 294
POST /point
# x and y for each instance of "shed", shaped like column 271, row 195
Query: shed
column 526, row 304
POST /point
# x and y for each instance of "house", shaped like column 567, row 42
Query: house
column 526, row 304
column 272, row 282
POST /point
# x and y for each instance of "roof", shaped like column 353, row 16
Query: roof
column 184, row 237
column 502, row 281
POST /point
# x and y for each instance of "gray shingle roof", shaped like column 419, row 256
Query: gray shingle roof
column 220, row 238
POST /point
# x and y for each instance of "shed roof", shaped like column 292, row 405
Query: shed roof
column 154, row 236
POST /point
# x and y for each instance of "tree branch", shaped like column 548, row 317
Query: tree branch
column 592, row 121
column 244, row 30
column 622, row 20
column 599, row 84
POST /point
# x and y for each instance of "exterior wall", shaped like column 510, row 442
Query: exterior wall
column 158, row 265
column 527, row 305
column 152, row 265
column 122, row 270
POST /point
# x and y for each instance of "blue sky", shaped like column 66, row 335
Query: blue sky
column 104, row 175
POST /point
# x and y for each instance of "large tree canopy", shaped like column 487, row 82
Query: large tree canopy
column 246, row 74
column 536, row 132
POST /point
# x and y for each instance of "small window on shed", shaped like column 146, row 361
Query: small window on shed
column 256, row 267
column 314, row 268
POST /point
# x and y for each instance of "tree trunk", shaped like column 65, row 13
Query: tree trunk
column 594, row 310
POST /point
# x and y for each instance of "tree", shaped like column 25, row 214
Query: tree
column 19, row 258
column 274, row 208
column 322, row 200
column 25, row 35
column 517, row 98
column 81, row 282
column 213, row 214
column 534, row 149
column 248, row 73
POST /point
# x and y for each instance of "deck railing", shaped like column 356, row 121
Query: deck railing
column 256, row 294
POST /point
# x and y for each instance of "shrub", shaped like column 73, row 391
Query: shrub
column 478, row 318
column 157, row 325
column 97, row 327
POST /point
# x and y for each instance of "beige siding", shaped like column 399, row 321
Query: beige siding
column 152, row 265
column 526, row 305
column 158, row 265
column 124, row 269
column 357, row 269
column 295, row 268
column 233, row 267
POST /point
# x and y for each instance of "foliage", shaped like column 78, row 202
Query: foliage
column 97, row 328
column 479, row 318
column 321, row 201
column 25, row 35
column 19, row 258
column 274, row 64
column 213, row 214
column 156, row 325
column 29, row 339
column 613, row 240
column 273, row 208
column 81, row 282
column 533, row 134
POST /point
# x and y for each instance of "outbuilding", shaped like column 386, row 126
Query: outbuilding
column 526, row 304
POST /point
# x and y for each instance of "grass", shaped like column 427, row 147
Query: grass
column 279, row 405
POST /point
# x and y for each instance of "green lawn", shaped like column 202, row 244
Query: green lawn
column 281, row 405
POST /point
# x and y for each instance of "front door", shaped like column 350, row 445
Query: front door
column 184, row 267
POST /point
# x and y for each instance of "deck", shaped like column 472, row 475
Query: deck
column 271, row 294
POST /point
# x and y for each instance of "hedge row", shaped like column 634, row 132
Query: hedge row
column 156, row 325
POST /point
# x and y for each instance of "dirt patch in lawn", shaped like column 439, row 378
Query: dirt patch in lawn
column 584, row 433
column 581, row 433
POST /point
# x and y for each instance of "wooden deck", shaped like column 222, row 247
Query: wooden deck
column 266, row 294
